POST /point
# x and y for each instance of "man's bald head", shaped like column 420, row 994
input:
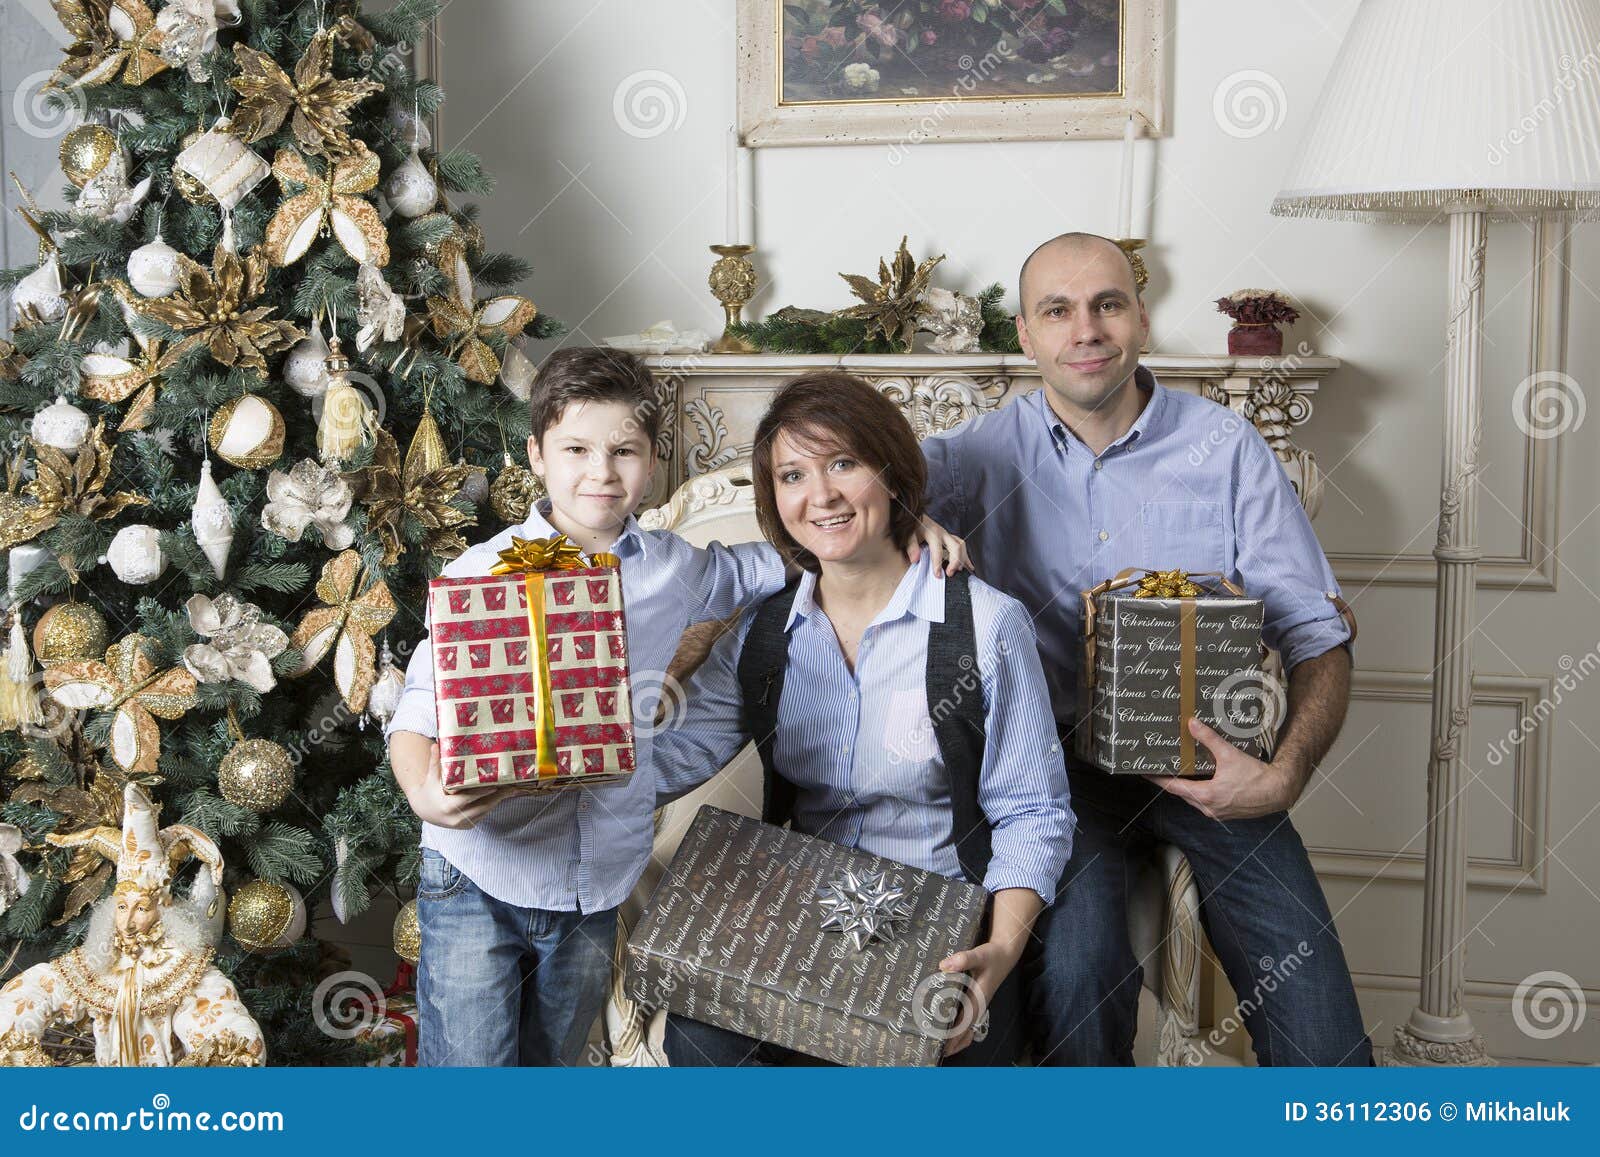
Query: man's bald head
column 1067, row 245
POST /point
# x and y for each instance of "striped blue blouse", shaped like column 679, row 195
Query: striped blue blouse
column 860, row 746
column 583, row 849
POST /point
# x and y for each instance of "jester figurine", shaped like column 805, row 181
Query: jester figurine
column 143, row 976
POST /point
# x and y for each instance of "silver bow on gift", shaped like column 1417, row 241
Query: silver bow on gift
column 865, row 907
column 379, row 309
column 242, row 647
column 13, row 880
column 310, row 493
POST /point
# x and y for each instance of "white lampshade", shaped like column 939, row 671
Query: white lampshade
column 1434, row 103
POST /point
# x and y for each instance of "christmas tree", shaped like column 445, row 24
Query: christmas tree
column 252, row 397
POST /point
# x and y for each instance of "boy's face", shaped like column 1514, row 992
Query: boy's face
column 596, row 463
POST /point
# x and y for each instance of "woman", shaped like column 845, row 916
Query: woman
column 851, row 751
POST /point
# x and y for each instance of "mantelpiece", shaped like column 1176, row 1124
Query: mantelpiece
column 713, row 401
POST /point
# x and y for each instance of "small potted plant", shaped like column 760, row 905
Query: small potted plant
column 1257, row 314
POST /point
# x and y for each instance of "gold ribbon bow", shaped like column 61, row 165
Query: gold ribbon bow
column 530, row 555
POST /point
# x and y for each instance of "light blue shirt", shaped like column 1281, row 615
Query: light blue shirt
column 582, row 849
column 860, row 746
column 1191, row 485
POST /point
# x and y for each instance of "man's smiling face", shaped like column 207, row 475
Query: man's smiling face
column 1082, row 320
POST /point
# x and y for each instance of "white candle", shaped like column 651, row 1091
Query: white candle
column 1125, row 192
column 731, row 163
column 747, row 197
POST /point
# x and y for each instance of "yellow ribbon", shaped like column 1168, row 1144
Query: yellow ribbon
column 529, row 555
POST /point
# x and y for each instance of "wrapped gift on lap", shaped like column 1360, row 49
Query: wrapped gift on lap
column 1161, row 647
column 816, row 947
column 530, row 668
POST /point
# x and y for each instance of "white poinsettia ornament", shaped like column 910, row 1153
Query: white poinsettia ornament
column 241, row 646
column 310, row 494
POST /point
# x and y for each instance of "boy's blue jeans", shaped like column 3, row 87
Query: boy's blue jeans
column 503, row 985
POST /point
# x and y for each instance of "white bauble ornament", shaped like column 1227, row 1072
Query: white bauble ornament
column 135, row 554
column 305, row 367
column 41, row 292
column 212, row 520
column 411, row 189
column 409, row 131
column 248, row 432
column 516, row 371
column 153, row 268
column 384, row 698
column 61, row 425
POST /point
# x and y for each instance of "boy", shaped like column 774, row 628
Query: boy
column 518, row 893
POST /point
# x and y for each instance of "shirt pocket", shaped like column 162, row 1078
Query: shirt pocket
column 1186, row 535
column 908, row 738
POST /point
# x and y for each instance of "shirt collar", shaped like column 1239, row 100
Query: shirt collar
column 538, row 526
column 920, row 593
column 1146, row 425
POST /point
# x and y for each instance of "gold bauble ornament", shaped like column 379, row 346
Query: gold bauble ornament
column 256, row 774
column 408, row 933
column 427, row 451
column 85, row 151
column 70, row 631
column 248, row 432
column 514, row 491
column 187, row 183
column 264, row 916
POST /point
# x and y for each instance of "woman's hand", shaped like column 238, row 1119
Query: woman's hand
column 988, row 964
column 415, row 760
column 949, row 551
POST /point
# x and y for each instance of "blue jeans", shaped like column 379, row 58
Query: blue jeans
column 1260, row 905
column 503, row 985
column 695, row 1044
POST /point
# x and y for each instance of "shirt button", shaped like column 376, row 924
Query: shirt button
column 1098, row 464
column 1104, row 535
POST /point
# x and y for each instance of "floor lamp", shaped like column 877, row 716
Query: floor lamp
column 1463, row 111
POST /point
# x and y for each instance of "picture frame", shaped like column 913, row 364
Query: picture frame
column 834, row 72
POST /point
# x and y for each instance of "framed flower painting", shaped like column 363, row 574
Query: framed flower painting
column 888, row 72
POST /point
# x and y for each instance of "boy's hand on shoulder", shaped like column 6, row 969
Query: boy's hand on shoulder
column 432, row 804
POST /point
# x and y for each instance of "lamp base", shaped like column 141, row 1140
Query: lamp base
column 1432, row 1040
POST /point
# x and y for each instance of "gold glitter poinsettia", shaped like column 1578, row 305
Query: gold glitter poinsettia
column 320, row 101
column 327, row 201
column 209, row 307
column 889, row 305
column 390, row 494
column 91, row 808
column 63, row 485
column 345, row 626
column 130, row 685
column 463, row 325
column 110, row 36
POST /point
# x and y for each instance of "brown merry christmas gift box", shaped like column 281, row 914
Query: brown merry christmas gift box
column 530, row 670
column 1161, row 647
column 806, row 944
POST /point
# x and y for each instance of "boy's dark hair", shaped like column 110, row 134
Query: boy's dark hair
column 593, row 374
column 832, row 409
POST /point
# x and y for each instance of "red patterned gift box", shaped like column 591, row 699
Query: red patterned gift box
column 530, row 670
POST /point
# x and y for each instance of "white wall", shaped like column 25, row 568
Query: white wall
column 618, row 227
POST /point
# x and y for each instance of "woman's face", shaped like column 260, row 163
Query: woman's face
column 830, row 502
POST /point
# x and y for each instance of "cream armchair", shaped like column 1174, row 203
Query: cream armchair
column 1164, row 914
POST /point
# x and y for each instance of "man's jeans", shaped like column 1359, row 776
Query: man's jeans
column 695, row 1044
column 1260, row 904
column 502, row 985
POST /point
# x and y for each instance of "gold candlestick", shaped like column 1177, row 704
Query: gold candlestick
column 733, row 283
column 1141, row 275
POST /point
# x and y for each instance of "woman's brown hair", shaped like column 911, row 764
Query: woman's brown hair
column 835, row 410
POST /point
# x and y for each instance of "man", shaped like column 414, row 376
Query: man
column 1104, row 469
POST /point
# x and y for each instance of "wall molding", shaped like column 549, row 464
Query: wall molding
column 1527, row 870
column 1535, row 564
